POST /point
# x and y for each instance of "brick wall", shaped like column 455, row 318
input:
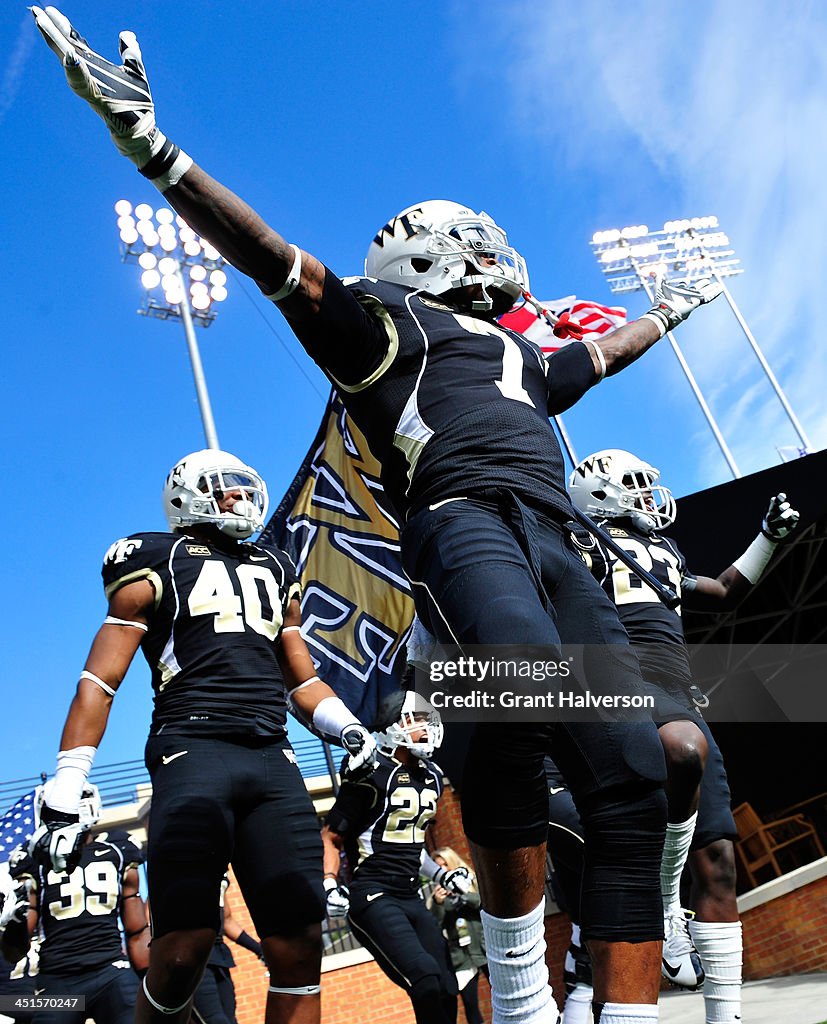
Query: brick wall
column 787, row 935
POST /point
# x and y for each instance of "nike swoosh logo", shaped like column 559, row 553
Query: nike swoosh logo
column 373, row 896
column 166, row 759
column 670, row 970
column 553, row 790
column 514, row 954
column 101, row 853
column 39, row 991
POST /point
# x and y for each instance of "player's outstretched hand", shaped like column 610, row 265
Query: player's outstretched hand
column 56, row 843
column 361, row 747
column 780, row 519
column 338, row 900
column 14, row 904
column 120, row 94
column 456, row 881
column 675, row 300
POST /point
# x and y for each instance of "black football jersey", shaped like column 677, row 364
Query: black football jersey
column 384, row 819
column 655, row 630
column 80, row 911
column 449, row 403
column 214, row 633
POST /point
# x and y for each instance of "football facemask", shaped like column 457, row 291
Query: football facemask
column 615, row 484
column 89, row 808
column 416, row 717
column 439, row 245
column 195, row 487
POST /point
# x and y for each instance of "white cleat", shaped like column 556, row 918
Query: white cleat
column 681, row 964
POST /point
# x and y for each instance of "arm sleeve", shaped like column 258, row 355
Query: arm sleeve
column 347, row 337
column 570, row 373
column 351, row 813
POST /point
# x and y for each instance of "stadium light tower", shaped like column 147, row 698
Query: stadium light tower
column 630, row 257
column 683, row 250
column 183, row 277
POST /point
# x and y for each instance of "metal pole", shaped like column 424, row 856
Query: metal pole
column 765, row 366
column 568, row 447
column 197, row 368
column 696, row 391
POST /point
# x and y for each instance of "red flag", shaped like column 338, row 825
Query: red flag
column 574, row 314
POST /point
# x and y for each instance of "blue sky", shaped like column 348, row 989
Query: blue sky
column 557, row 119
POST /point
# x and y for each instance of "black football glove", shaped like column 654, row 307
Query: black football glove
column 456, row 880
column 361, row 748
column 780, row 519
column 337, row 899
column 56, row 844
column 119, row 94
column 14, row 903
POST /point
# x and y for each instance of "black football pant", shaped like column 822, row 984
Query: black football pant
column 110, row 995
column 492, row 571
column 409, row 946
column 214, row 1000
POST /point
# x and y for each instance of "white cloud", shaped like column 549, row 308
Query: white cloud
column 718, row 106
column 15, row 63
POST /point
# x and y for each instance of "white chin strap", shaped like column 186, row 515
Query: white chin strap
column 488, row 280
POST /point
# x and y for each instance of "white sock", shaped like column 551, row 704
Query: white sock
column 628, row 1013
column 578, row 1008
column 675, row 851
column 721, row 950
column 575, row 934
column 516, row 948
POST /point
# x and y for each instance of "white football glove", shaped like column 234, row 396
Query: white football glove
column 361, row 748
column 675, row 300
column 56, row 843
column 14, row 903
column 780, row 519
column 457, row 880
column 338, row 898
column 118, row 94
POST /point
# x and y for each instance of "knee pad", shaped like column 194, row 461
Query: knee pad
column 624, row 830
column 504, row 793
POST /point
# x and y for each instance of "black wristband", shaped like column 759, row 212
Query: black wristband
column 162, row 161
column 248, row 942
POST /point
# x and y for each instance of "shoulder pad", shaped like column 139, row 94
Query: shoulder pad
column 125, row 844
column 141, row 556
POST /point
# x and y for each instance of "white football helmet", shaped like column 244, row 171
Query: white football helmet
column 431, row 245
column 196, row 485
column 415, row 715
column 612, row 484
column 89, row 808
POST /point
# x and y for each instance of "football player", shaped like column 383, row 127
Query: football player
column 381, row 824
column 80, row 911
column 456, row 409
column 17, row 980
column 624, row 494
column 218, row 619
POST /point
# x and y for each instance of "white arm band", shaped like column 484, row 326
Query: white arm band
column 65, row 789
column 98, row 682
column 332, row 717
column 301, row 686
column 755, row 559
column 598, row 351
column 292, row 629
column 110, row 620
column 293, row 277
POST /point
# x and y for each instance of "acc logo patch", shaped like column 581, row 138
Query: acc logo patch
column 197, row 549
column 403, row 777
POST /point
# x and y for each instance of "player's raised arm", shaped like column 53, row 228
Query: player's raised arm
column 121, row 96
column 704, row 592
column 673, row 304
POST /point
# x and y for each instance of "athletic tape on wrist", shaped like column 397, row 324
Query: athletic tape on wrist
column 755, row 559
column 658, row 319
column 71, row 773
column 332, row 716
column 294, row 276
